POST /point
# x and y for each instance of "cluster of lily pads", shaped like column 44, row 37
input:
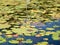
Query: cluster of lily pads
column 16, row 41
column 17, row 15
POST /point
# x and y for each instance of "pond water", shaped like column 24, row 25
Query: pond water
column 40, row 39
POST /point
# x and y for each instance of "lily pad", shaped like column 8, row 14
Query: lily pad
column 2, row 40
column 50, row 29
column 13, row 41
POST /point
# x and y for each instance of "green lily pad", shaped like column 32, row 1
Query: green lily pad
column 55, row 36
column 2, row 40
column 29, row 41
column 13, row 41
column 50, row 29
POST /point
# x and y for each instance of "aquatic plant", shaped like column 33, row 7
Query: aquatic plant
column 16, row 16
column 49, row 28
column 48, row 33
column 29, row 41
column 24, row 30
column 55, row 36
column 42, row 43
column 13, row 41
column 2, row 40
